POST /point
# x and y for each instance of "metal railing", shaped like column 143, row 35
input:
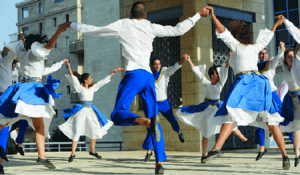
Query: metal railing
column 77, row 46
column 50, row 146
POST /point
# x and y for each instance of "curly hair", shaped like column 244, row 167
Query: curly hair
column 30, row 39
column 286, row 52
column 240, row 32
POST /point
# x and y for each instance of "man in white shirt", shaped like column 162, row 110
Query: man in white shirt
column 161, row 77
column 136, row 36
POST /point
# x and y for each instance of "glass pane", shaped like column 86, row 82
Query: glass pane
column 293, row 4
column 294, row 17
column 41, row 7
column 25, row 12
column 279, row 5
column 282, row 36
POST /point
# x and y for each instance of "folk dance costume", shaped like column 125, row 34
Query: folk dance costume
column 251, row 93
column 201, row 116
column 136, row 37
column 5, row 82
column 29, row 98
column 84, row 118
column 161, row 79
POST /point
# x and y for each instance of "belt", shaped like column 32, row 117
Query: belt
column 31, row 79
column 249, row 72
column 86, row 105
column 208, row 101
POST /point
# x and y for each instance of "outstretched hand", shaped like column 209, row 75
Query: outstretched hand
column 67, row 24
column 211, row 10
column 66, row 61
column 204, row 12
column 61, row 28
column 282, row 46
column 280, row 18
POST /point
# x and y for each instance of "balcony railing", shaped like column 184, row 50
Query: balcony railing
column 77, row 46
column 14, row 37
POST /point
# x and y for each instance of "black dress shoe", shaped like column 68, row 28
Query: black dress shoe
column 5, row 158
column 45, row 162
column 285, row 163
column 20, row 150
column 96, row 155
column 212, row 154
column 297, row 161
column 159, row 169
column 249, row 140
column 71, row 158
column 154, row 127
column 181, row 137
column 260, row 154
column 147, row 158
column 1, row 169
column 203, row 159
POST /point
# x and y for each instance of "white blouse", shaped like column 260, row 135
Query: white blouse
column 295, row 32
column 211, row 91
column 6, row 70
column 32, row 61
column 269, row 71
column 161, row 84
column 86, row 94
column 244, row 57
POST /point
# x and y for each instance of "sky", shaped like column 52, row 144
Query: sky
column 8, row 18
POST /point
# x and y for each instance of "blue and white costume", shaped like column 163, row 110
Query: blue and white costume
column 251, row 93
column 267, row 69
column 201, row 116
column 29, row 98
column 85, row 118
column 5, row 82
column 136, row 38
column 161, row 79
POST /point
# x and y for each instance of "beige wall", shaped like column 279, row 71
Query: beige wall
column 197, row 43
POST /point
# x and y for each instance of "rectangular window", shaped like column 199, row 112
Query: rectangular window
column 289, row 9
column 41, row 28
column 25, row 12
column 67, row 41
column 25, row 30
column 67, row 17
column 57, row 1
column 68, row 90
column 56, row 113
column 40, row 7
column 54, row 22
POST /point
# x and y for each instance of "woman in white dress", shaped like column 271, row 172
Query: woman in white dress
column 250, row 95
column 201, row 116
column 291, row 102
column 85, row 118
column 29, row 99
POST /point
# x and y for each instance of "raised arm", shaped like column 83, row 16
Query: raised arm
column 110, row 30
column 53, row 40
column 274, row 62
column 181, row 28
column 106, row 80
column 293, row 30
column 171, row 70
column 198, row 70
column 55, row 67
column 69, row 67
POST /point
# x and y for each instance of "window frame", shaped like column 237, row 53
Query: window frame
column 23, row 12
column 40, row 7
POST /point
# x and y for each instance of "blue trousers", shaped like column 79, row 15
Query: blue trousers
column 260, row 136
column 138, row 82
column 166, row 110
column 22, row 124
column 4, row 134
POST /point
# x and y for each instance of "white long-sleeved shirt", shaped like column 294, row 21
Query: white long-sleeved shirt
column 6, row 70
column 294, row 31
column 48, row 70
column 269, row 71
column 244, row 57
column 211, row 91
column 32, row 61
column 86, row 94
column 161, row 84
column 136, row 37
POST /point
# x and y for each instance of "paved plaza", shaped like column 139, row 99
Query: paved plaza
column 131, row 162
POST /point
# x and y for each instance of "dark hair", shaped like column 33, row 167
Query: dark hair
column 4, row 52
column 30, row 39
column 211, row 70
column 82, row 77
column 287, row 50
column 138, row 11
column 152, row 61
column 240, row 32
column 14, row 62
